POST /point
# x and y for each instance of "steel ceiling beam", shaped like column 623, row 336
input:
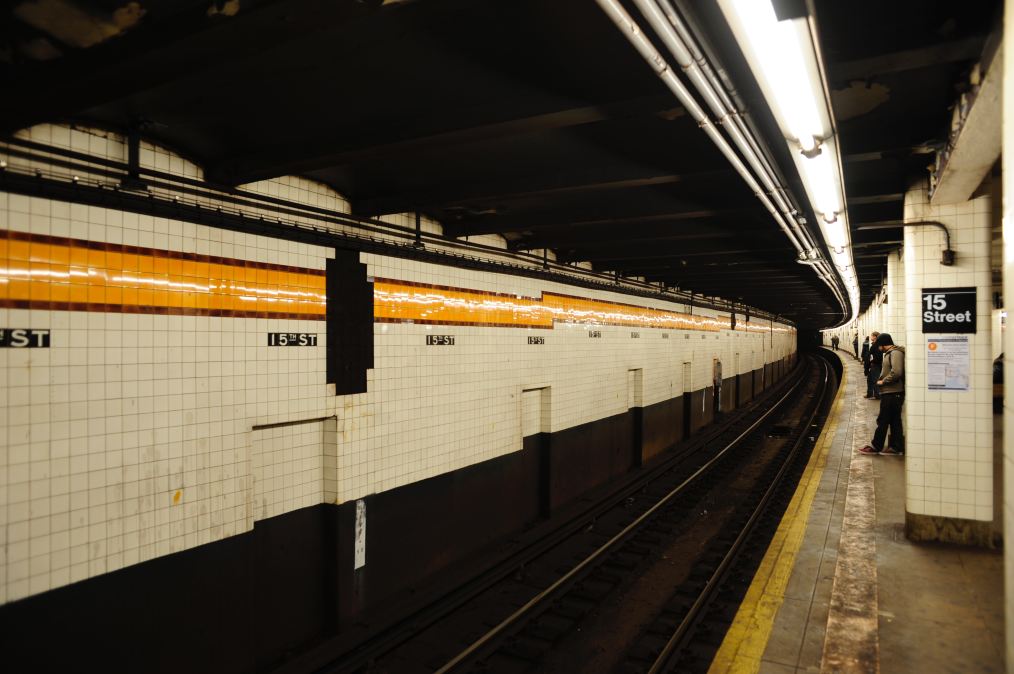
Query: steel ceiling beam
column 494, row 192
column 244, row 169
column 491, row 225
column 908, row 59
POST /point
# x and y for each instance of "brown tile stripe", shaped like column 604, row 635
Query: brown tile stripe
column 39, row 305
column 64, row 274
column 430, row 304
column 151, row 252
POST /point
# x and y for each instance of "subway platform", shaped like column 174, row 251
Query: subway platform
column 842, row 590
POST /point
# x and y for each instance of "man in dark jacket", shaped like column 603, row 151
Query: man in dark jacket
column 892, row 397
column 864, row 355
column 855, row 345
column 874, row 365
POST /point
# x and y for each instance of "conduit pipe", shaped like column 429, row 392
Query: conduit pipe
column 681, row 45
column 678, row 39
column 731, row 100
column 661, row 67
column 713, row 92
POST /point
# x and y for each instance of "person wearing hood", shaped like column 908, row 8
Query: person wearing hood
column 892, row 397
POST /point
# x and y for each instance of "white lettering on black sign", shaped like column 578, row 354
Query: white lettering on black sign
column 536, row 340
column 292, row 339
column 595, row 334
column 440, row 340
column 23, row 338
column 948, row 310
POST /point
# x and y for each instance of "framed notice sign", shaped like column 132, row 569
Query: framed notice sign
column 947, row 363
column 948, row 310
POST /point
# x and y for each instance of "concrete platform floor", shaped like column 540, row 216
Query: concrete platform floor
column 897, row 607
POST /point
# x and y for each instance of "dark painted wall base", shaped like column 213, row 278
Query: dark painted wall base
column 975, row 533
column 238, row 605
column 251, row 601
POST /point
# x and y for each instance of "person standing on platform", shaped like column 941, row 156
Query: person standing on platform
column 864, row 355
column 855, row 344
column 875, row 365
column 834, row 342
column 892, row 397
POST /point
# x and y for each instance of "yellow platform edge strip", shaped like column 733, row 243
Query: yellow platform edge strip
column 744, row 644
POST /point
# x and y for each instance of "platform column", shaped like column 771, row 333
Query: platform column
column 894, row 314
column 949, row 462
column 1008, row 338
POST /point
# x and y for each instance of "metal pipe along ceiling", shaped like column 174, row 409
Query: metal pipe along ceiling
column 637, row 38
column 688, row 57
column 678, row 39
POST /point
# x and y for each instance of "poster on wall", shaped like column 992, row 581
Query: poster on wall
column 947, row 363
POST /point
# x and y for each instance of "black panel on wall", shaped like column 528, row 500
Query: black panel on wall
column 242, row 604
column 349, row 323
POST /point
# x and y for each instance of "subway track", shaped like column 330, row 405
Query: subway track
column 648, row 580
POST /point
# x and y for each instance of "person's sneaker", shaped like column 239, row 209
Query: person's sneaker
column 891, row 451
column 869, row 449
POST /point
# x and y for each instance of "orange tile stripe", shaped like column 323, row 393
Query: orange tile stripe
column 44, row 272
column 57, row 273
column 398, row 302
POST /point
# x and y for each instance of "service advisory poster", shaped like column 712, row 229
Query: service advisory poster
column 947, row 363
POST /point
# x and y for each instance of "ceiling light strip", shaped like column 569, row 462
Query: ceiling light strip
column 688, row 58
column 667, row 24
column 784, row 58
column 661, row 66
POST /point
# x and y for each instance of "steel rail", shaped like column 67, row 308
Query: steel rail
column 352, row 659
column 716, row 578
column 564, row 580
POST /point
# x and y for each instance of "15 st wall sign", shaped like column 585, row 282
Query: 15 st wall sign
column 24, row 338
column 948, row 310
column 292, row 339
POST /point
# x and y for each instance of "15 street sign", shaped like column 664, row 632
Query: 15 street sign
column 948, row 310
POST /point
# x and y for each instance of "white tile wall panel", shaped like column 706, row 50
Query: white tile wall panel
column 132, row 437
column 954, row 452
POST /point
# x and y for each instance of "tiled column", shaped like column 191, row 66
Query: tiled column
column 949, row 462
column 894, row 316
column 1008, row 294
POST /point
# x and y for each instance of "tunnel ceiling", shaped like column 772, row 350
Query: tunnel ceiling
column 532, row 119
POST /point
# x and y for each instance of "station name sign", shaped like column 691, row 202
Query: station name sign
column 23, row 338
column 292, row 339
column 948, row 310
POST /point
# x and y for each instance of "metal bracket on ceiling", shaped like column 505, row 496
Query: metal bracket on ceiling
column 133, row 182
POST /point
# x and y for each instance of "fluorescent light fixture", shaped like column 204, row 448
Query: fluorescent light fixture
column 784, row 60
column 776, row 49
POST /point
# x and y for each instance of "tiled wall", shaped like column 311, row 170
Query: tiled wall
column 949, row 462
column 1007, row 159
column 894, row 318
column 129, row 438
column 147, row 425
